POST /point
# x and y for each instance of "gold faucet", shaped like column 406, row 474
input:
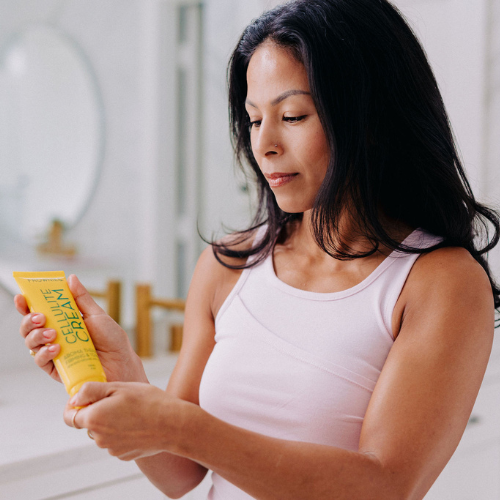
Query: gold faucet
column 55, row 245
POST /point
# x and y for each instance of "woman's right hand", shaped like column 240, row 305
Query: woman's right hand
column 116, row 354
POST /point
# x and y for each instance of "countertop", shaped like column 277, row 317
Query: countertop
column 33, row 435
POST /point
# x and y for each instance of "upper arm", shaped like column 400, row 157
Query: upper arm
column 427, row 389
column 210, row 285
column 198, row 331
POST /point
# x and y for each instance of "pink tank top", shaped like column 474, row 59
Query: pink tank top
column 301, row 365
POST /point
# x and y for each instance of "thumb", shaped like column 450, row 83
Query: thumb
column 78, row 407
column 91, row 392
column 83, row 299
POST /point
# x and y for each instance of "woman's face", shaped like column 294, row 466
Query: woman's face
column 282, row 113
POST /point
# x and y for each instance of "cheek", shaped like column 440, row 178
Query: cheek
column 320, row 144
column 315, row 151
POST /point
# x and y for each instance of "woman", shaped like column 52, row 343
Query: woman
column 336, row 348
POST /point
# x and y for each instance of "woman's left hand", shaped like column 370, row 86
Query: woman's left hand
column 132, row 420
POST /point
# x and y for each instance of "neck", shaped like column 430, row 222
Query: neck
column 352, row 238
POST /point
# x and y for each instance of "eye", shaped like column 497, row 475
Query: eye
column 293, row 119
column 255, row 123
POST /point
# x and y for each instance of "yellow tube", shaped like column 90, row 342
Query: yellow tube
column 48, row 293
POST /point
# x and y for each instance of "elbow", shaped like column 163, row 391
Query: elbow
column 174, row 495
column 177, row 493
column 179, row 490
column 387, row 483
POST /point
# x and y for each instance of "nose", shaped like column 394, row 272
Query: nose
column 273, row 151
column 266, row 141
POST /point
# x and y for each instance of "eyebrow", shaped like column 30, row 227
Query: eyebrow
column 282, row 97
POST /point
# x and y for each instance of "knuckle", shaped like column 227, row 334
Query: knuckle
column 38, row 334
column 83, row 393
column 41, row 358
column 40, row 362
column 113, row 452
column 93, row 421
column 32, row 339
column 99, row 442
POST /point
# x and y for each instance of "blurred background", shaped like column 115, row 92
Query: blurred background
column 115, row 151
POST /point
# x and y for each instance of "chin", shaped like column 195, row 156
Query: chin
column 293, row 208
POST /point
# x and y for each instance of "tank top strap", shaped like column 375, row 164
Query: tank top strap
column 419, row 238
column 390, row 283
column 261, row 231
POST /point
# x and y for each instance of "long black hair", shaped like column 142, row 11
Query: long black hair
column 392, row 147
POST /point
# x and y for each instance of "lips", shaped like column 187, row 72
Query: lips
column 278, row 179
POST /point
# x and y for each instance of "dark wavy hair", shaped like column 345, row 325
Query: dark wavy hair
column 392, row 147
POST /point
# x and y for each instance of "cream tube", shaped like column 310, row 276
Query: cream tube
column 48, row 293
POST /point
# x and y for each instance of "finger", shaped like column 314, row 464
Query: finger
column 30, row 322
column 69, row 412
column 39, row 337
column 45, row 355
column 21, row 304
column 91, row 392
column 83, row 299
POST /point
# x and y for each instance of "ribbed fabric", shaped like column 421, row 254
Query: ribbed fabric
column 300, row 365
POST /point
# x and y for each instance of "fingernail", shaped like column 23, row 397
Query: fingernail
column 52, row 348
column 36, row 318
column 73, row 400
column 48, row 334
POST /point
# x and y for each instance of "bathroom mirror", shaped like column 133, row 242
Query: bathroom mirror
column 51, row 133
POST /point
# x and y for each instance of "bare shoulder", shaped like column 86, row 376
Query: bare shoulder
column 453, row 269
column 448, row 286
column 219, row 278
column 447, row 277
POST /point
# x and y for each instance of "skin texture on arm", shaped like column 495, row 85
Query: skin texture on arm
column 413, row 424
column 197, row 345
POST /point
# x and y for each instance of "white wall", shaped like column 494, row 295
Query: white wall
column 492, row 117
column 455, row 49
column 113, row 234
column 225, row 201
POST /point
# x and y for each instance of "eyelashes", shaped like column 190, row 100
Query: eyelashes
column 293, row 119
column 289, row 119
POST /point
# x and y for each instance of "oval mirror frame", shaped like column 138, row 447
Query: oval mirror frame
column 53, row 132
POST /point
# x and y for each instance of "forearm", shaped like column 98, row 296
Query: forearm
column 172, row 475
column 269, row 468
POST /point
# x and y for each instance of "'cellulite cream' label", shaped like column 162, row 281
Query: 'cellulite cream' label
column 69, row 321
